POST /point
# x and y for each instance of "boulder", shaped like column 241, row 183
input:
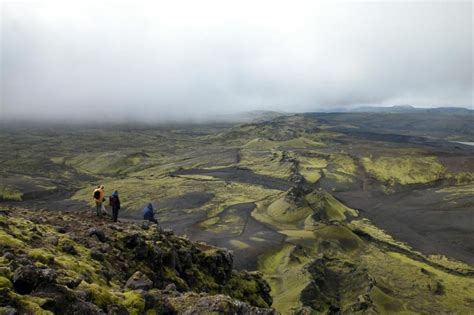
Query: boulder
column 97, row 254
column 25, row 279
column 97, row 233
column 69, row 248
column 139, row 281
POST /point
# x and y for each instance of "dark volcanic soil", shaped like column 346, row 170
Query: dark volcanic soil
column 235, row 174
column 245, row 258
column 422, row 218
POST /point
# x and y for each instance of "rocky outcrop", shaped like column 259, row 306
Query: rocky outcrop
column 96, row 267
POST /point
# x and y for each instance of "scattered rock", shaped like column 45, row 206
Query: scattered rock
column 117, row 309
column 72, row 283
column 158, row 259
column 69, row 248
column 439, row 289
column 97, row 233
column 8, row 256
column 97, row 254
column 170, row 287
column 25, row 279
column 60, row 229
column 139, row 281
column 52, row 239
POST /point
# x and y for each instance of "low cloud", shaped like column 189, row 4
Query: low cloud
column 100, row 60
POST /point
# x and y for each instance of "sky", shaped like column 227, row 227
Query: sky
column 167, row 60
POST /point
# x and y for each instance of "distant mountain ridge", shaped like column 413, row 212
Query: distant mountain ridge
column 411, row 109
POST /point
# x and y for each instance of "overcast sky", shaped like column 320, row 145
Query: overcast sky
column 192, row 59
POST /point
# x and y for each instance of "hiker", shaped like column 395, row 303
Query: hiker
column 99, row 197
column 114, row 202
column 148, row 214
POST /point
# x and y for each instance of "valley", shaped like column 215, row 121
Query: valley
column 340, row 212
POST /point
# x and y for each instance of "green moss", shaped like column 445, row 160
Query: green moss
column 10, row 193
column 420, row 280
column 384, row 302
column 5, row 283
column 335, row 210
column 4, row 269
column 343, row 236
column 367, row 227
column 404, row 170
column 245, row 288
column 239, row 244
column 285, row 272
column 454, row 192
column 343, row 163
column 57, row 159
column 100, row 295
column 209, row 222
column 41, row 255
column 260, row 144
column 172, row 277
column 134, row 302
column 8, row 240
column 300, row 143
column 337, row 177
column 266, row 163
column 28, row 304
column 283, row 211
column 311, row 175
column 461, row 177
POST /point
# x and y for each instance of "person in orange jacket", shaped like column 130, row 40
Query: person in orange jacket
column 99, row 198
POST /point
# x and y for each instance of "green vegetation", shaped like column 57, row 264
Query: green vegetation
column 311, row 166
column 268, row 162
column 284, row 271
column 10, row 193
column 134, row 302
column 71, row 264
column 304, row 234
column 404, row 170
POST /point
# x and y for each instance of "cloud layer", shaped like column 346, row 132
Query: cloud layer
column 195, row 59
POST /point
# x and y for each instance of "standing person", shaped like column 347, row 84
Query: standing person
column 148, row 214
column 114, row 202
column 99, row 197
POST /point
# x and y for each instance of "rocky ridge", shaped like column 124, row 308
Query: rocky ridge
column 75, row 263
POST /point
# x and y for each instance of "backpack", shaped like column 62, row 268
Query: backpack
column 97, row 194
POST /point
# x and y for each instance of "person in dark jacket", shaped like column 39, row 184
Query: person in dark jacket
column 148, row 213
column 114, row 202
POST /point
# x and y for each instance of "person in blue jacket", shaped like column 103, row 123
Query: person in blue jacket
column 148, row 213
column 114, row 202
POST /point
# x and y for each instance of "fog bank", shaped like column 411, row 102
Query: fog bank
column 133, row 60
